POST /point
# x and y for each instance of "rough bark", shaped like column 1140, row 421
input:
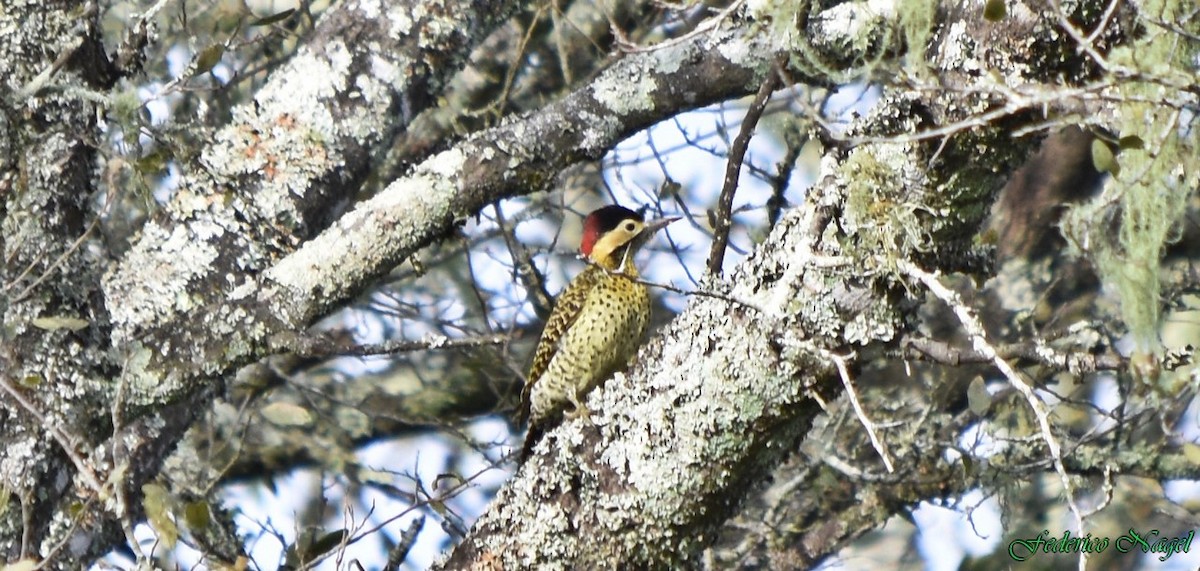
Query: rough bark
column 717, row 402
column 166, row 322
column 107, row 364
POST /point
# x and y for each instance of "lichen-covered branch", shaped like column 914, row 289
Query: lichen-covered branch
column 238, row 441
column 136, row 352
column 516, row 158
column 270, row 180
column 52, row 341
column 711, row 407
column 115, row 354
column 569, row 41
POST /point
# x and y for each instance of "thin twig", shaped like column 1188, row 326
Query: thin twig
column 780, row 182
column 844, row 372
column 408, row 538
column 974, row 329
column 711, row 24
column 703, row 293
column 110, row 198
column 1104, row 20
column 523, row 268
column 63, row 440
column 1077, row 363
column 321, row 345
column 1084, row 44
column 680, row 291
column 733, row 170
column 121, row 460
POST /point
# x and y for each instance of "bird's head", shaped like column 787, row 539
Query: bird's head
column 613, row 234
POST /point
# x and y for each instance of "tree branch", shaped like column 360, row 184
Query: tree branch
column 733, row 170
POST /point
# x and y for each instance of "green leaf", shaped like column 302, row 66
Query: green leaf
column 1131, row 142
column 287, row 414
column 268, row 20
column 196, row 515
column 1191, row 452
column 153, row 162
column 979, row 400
column 994, row 10
column 60, row 322
column 208, row 59
column 1103, row 158
column 156, row 502
column 22, row 565
column 326, row 543
column 353, row 421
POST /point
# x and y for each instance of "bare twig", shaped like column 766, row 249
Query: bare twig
column 700, row 293
column 523, row 268
column 844, row 372
column 1084, row 44
column 1104, row 20
column 39, row 81
column 319, row 345
column 780, row 182
column 627, row 45
column 62, row 438
column 1078, row 363
column 399, row 553
column 974, row 329
column 733, row 170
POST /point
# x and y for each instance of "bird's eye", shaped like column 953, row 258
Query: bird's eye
column 629, row 227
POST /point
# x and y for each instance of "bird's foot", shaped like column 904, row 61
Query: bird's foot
column 579, row 410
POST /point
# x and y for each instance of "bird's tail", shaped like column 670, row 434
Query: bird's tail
column 532, row 436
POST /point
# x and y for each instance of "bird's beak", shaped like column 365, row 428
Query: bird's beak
column 655, row 225
column 650, row 228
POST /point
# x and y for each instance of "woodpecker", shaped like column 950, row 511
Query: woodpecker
column 596, row 325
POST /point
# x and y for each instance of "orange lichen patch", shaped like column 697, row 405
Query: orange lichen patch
column 252, row 146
